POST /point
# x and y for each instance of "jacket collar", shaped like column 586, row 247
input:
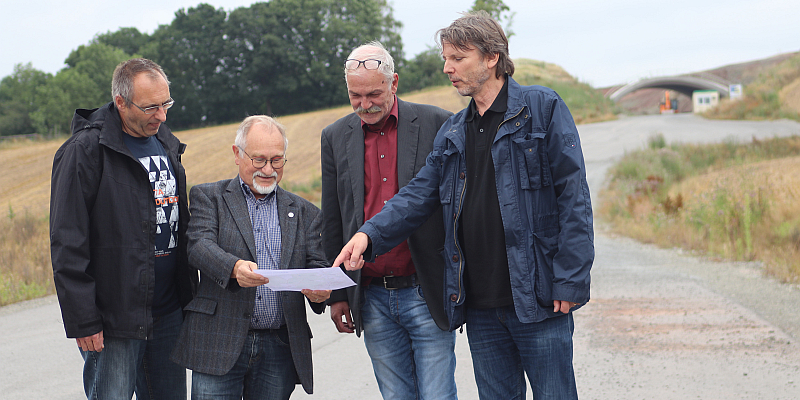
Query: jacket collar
column 407, row 143
column 514, row 105
column 107, row 120
column 288, row 216
column 515, row 101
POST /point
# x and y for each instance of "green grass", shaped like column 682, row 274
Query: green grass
column 730, row 200
column 761, row 100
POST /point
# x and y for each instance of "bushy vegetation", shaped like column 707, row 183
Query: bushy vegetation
column 276, row 58
column 585, row 103
column 25, row 271
column 762, row 100
column 423, row 71
column 729, row 200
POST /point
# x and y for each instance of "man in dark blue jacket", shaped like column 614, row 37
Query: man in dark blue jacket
column 118, row 216
column 509, row 174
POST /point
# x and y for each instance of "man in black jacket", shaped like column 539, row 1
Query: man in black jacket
column 118, row 216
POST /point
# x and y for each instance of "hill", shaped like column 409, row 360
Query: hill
column 773, row 94
column 585, row 103
column 28, row 164
column 646, row 101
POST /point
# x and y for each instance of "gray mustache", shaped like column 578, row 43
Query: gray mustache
column 371, row 110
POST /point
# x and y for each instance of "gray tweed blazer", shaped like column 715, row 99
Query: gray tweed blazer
column 220, row 233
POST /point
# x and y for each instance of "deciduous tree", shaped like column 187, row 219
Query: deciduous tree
column 499, row 11
column 18, row 98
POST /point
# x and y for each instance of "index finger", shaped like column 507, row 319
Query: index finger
column 344, row 255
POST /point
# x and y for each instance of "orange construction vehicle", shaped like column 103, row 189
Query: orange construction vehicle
column 667, row 106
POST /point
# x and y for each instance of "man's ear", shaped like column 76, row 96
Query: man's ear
column 492, row 60
column 395, row 82
column 235, row 154
column 119, row 101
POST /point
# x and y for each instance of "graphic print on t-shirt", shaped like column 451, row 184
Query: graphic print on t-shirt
column 164, row 191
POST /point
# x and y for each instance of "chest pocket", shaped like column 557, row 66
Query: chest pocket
column 535, row 167
column 448, row 162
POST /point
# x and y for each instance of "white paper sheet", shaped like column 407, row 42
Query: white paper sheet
column 299, row 279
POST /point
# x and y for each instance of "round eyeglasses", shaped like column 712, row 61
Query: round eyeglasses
column 260, row 162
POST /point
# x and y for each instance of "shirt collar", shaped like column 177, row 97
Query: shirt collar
column 500, row 104
column 391, row 121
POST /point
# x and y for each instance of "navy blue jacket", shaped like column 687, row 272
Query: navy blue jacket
column 544, row 202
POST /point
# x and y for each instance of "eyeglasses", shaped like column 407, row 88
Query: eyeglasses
column 152, row 110
column 368, row 64
column 259, row 162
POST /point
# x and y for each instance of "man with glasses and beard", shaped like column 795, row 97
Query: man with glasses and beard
column 240, row 338
column 118, row 218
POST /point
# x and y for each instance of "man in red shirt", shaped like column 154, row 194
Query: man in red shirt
column 367, row 157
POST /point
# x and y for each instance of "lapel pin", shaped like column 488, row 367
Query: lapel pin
column 291, row 215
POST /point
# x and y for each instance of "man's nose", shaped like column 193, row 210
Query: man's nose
column 161, row 114
column 447, row 69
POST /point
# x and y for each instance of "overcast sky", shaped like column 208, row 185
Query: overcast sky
column 600, row 42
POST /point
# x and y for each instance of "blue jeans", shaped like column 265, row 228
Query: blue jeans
column 504, row 349
column 411, row 357
column 126, row 366
column 264, row 371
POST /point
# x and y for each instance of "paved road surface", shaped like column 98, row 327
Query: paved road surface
column 661, row 324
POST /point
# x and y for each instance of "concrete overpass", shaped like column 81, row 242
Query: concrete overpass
column 681, row 84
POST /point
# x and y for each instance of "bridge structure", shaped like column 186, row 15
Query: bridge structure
column 685, row 84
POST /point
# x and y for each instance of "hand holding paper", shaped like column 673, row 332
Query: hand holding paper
column 299, row 279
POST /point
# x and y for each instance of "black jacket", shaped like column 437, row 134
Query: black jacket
column 103, row 226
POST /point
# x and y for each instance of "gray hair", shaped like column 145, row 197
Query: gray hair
column 374, row 50
column 126, row 72
column 249, row 122
column 481, row 31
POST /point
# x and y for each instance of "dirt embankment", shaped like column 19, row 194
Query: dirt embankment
column 790, row 96
column 646, row 101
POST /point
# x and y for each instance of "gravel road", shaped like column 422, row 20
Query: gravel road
column 661, row 324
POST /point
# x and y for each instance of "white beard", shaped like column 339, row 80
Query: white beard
column 261, row 189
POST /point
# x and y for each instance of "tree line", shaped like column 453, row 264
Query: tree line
column 279, row 57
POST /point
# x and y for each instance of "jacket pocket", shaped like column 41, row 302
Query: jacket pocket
column 535, row 162
column 448, row 165
column 202, row 305
column 545, row 247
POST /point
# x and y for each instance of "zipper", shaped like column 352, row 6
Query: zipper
column 458, row 215
column 510, row 118
column 455, row 236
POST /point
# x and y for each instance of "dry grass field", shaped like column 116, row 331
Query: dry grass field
column 724, row 200
column 25, row 182
column 738, row 195
column 27, row 165
column 25, row 271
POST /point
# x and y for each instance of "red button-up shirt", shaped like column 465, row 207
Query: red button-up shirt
column 380, row 184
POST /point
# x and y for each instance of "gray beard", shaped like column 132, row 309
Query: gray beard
column 262, row 189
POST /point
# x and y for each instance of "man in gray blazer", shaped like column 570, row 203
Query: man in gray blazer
column 366, row 157
column 240, row 338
